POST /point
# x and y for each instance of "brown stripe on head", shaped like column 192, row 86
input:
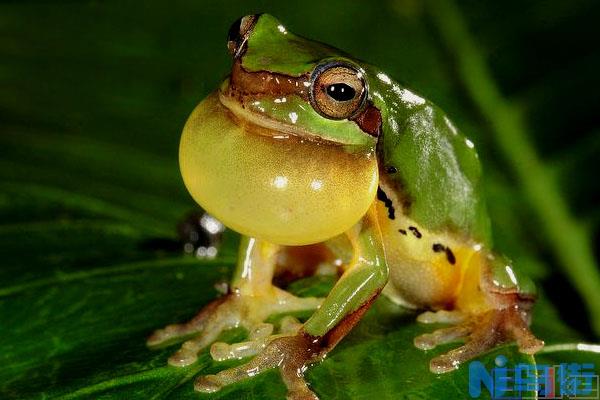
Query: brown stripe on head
column 243, row 82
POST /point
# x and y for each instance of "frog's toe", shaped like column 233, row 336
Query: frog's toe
column 430, row 341
column 291, row 354
column 441, row 317
column 208, row 384
column 188, row 353
column 454, row 358
column 519, row 331
column 259, row 337
column 175, row 332
column 222, row 314
column 482, row 336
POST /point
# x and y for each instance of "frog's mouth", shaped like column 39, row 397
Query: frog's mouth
column 263, row 125
column 275, row 185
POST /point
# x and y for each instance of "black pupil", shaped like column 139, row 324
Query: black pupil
column 341, row 92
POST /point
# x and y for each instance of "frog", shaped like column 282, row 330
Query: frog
column 323, row 162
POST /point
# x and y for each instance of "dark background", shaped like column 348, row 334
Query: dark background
column 93, row 96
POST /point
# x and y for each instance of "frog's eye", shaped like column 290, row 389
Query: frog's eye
column 238, row 34
column 338, row 91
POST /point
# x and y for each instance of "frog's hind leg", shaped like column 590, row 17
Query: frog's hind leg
column 251, row 301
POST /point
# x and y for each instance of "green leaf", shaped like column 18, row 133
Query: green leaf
column 94, row 96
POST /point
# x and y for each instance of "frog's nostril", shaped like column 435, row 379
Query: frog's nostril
column 238, row 34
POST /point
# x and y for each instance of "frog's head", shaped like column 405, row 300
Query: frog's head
column 285, row 149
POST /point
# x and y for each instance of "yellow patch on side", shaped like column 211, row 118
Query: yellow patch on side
column 433, row 270
column 471, row 298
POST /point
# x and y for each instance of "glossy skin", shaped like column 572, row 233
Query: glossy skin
column 324, row 161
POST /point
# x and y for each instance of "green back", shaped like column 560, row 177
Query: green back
column 438, row 170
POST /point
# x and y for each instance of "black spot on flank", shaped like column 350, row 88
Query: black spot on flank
column 415, row 232
column 438, row 247
column 450, row 256
column 391, row 169
column 381, row 196
column 402, row 231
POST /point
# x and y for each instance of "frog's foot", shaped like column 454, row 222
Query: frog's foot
column 481, row 333
column 175, row 332
column 231, row 311
column 291, row 354
column 258, row 339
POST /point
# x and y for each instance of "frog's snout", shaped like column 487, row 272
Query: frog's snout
column 238, row 34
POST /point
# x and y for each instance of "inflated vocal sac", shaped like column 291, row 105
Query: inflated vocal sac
column 287, row 190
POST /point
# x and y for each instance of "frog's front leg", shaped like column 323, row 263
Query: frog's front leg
column 251, row 300
column 350, row 298
column 485, row 315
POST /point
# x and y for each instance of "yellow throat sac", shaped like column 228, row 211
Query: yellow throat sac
column 286, row 190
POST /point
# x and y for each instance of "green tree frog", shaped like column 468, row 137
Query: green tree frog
column 317, row 159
